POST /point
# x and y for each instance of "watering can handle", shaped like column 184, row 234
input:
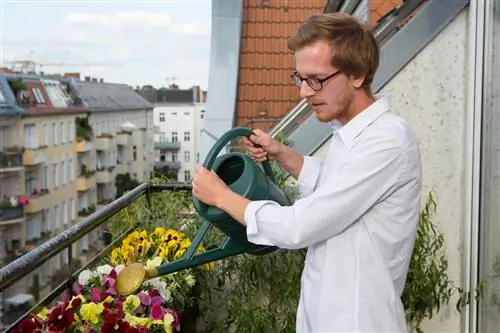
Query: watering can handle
column 219, row 145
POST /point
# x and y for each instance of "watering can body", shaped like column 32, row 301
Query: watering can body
column 245, row 177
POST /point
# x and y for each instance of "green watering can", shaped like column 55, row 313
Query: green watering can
column 244, row 177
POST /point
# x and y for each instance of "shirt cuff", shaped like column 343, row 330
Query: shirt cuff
column 250, row 217
column 309, row 175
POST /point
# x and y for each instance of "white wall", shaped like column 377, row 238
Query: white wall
column 180, row 119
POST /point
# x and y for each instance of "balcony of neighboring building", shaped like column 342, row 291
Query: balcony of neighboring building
column 124, row 138
column 11, row 159
column 166, row 164
column 82, row 147
column 104, row 142
column 38, row 201
column 105, row 175
column 86, row 179
column 167, row 145
column 12, row 209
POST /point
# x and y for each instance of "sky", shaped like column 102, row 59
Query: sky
column 131, row 42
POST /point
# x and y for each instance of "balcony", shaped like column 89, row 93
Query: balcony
column 33, row 157
column 11, row 159
column 83, row 146
column 167, row 145
column 104, row 176
column 37, row 202
column 124, row 138
column 9, row 214
column 104, row 142
column 171, row 165
column 85, row 183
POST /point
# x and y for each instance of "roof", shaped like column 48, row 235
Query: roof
column 8, row 105
column 38, row 100
column 175, row 96
column 265, row 61
column 103, row 96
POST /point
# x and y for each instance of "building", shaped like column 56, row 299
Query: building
column 178, row 120
column 63, row 145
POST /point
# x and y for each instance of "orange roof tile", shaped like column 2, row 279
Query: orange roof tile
column 379, row 8
column 265, row 61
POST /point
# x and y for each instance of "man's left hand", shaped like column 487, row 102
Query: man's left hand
column 207, row 186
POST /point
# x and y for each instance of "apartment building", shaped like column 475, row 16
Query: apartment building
column 178, row 120
column 62, row 144
column 122, row 124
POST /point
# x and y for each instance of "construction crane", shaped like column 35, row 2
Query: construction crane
column 30, row 66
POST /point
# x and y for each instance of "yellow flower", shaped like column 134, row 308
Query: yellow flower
column 152, row 263
column 90, row 312
column 159, row 231
column 209, row 266
column 131, row 303
column 135, row 321
column 43, row 314
column 168, row 319
column 82, row 299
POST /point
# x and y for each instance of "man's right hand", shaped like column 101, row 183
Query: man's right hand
column 274, row 150
column 269, row 148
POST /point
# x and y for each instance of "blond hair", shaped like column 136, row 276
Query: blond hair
column 355, row 49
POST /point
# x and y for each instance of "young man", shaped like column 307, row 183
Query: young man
column 359, row 210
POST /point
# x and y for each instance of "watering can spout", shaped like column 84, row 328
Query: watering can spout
column 243, row 176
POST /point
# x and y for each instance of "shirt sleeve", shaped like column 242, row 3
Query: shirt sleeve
column 309, row 175
column 344, row 196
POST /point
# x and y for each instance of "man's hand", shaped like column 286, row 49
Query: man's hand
column 211, row 190
column 273, row 150
column 207, row 186
column 269, row 147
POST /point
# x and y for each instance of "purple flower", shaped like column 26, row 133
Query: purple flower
column 95, row 295
column 145, row 298
column 157, row 312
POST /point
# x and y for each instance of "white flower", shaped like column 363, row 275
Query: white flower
column 119, row 268
column 104, row 269
column 190, row 280
column 152, row 263
column 84, row 277
column 161, row 286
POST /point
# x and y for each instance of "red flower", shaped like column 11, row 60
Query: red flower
column 28, row 325
column 59, row 319
column 118, row 325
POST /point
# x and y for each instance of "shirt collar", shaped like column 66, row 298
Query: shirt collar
column 350, row 130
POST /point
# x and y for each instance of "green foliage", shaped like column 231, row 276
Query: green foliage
column 124, row 183
column 428, row 286
column 84, row 131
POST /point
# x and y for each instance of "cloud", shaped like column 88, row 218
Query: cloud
column 136, row 19
column 192, row 29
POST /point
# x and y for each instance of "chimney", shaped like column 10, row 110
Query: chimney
column 101, row 80
column 87, row 79
column 94, row 79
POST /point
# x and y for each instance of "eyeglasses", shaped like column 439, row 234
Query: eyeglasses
column 315, row 83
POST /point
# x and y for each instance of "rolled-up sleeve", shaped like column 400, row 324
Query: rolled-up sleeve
column 347, row 193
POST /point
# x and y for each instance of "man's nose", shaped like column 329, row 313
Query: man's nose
column 306, row 91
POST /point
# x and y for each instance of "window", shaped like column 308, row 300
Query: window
column 2, row 99
column 71, row 170
column 55, row 174
column 174, row 156
column 174, row 136
column 45, row 180
column 187, row 136
column 73, row 209
column 57, row 217
column 30, row 136
column 30, row 182
column 187, row 156
column 46, row 220
column 63, row 134
column 71, row 131
column 38, row 96
column 54, row 134
column 162, row 137
column 187, row 176
column 63, row 171
column 64, row 213
column 162, row 117
column 134, row 153
column 45, row 134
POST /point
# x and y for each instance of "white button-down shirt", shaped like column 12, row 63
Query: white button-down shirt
column 358, row 214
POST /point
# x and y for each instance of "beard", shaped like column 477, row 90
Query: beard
column 337, row 109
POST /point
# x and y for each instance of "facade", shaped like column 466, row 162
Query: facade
column 178, row 120
column 63, row 143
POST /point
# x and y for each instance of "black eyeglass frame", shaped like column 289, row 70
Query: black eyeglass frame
column 311, row 82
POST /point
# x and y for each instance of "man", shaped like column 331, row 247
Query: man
column 359, row 210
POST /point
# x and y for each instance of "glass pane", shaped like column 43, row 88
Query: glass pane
column 489, row 306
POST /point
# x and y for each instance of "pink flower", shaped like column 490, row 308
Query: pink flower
column 157, row 312
column 95, row 295
column 145, row 298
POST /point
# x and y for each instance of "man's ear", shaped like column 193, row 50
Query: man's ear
column 357, row 82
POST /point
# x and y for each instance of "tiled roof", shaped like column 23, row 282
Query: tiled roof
column 379, row 8
column 32, row 107
column 102, row 96
column 265, row 62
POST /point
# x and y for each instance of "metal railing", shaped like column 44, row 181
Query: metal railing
column 27, row 263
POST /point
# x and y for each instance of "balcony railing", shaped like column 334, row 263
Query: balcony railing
column 11, row 213
column 167, row 145
column 172, row 165
column 22, row 266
